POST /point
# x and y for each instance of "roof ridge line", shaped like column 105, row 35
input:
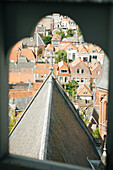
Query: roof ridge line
column 29, row 105
column 46, row 124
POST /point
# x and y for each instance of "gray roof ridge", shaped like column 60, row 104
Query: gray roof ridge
column 43, row 44
column 45, row 132
column 29, row 104
column 70, row 104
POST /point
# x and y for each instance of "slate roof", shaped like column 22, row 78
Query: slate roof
column 17, row 67
column 36, row 40
column 21, row 102
column 50, row 128
column 103, row 81
column 21, row 86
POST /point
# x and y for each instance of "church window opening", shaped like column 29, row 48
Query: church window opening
column 67, row 60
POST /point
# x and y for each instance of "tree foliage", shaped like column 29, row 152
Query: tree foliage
column 62, row 55
column 84, row 116
column 47, row 39
column 96, row 133
column 70, row 33
column 61, row 33
column 71, row 87
column 12, row 120
column 79, row 33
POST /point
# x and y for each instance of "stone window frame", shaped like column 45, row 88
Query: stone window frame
column 15, row 162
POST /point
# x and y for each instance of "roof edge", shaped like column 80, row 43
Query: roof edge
column 46, row 124
column 72, row 107
column 29, row 104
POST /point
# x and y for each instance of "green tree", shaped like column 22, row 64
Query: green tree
column 61, row 33
column 96, row 133
column 12, row 120
column 47, row 39
column 62, row 55
column 84, row 115
column 70, row 33
column 71, row 87
column 79, row 33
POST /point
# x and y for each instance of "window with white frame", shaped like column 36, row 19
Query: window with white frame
column 61, row 79
column 63, row 71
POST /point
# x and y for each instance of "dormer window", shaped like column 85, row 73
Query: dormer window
column 63, row 71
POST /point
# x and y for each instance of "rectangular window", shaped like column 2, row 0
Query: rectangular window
column 77, row 70
column 94, row 57
column 82, row 71
column 82, row 80
column 73, row 56
column 61, row 79
column 63, row 71
column 66, row 79
column 93, row 80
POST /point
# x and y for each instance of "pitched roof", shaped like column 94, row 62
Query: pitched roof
column 94, row 65
column 47, row 125
column 82, row 49
column 56, row 37
column 28, row 53
column 36, row 40
column 66, row 46
column 61, row 63
column 103, row 81
column 44, row 69
column 84, row 90
column 76, row 61
column 92, row 49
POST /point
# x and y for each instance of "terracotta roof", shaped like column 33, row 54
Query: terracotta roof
column 93, row 66
column 56, row 37
column 17, row 77
column 28, row 53
column 91, row 48
column 20, row 93
column 63, row 66
column 65, row 20
column 84, row 90
column 44, row 69
column 66, row 46
column 17, row 46
column 82, row 49
column 49, row 47
column 76, row 61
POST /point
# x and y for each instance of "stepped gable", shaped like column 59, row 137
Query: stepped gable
column 50, row 128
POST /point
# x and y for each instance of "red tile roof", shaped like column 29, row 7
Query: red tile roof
column 94, row 66
column 56, row 37
column 49, row 47
column 28, row 53
column 66, row 46
column 82, row 49
column 17, row 77
column 76, row 61
column 83, row 90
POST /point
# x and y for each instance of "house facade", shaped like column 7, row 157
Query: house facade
column 80, row 72
column 63, row 72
